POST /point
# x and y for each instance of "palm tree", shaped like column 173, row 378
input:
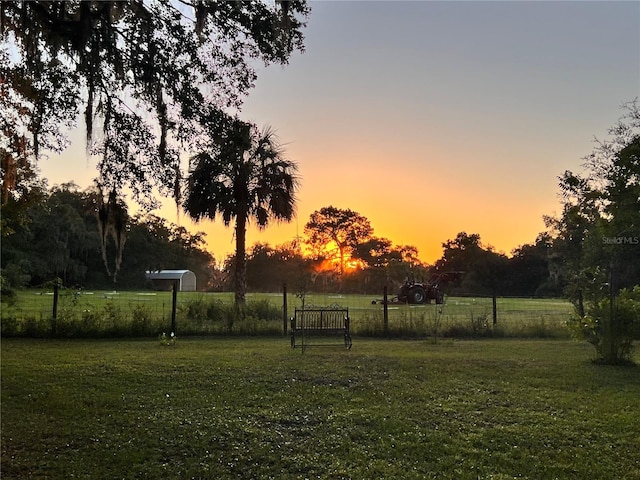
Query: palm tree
column 242, row 176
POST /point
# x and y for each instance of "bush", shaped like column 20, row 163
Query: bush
column 35, row 328
column 215, row 316
column 9, row 327
column 197, row 310
column 141, row 321
column 611, row 329
column 90, row 323
column 7, row 294
column 263, row 310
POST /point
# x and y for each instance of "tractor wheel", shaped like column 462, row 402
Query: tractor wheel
column 417, row 295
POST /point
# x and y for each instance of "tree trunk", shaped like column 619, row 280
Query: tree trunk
column 581, row 311
column 494, row 303
column 241, row 264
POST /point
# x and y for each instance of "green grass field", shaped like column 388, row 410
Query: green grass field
column 255, row 408
column 139, row 314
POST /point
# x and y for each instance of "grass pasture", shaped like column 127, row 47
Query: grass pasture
column 145, row 314
column 255, row 408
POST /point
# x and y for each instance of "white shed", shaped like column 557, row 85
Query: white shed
column 164, row 279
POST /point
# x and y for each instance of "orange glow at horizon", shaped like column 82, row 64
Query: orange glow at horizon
column 423, row 212
column 331, row 260
column 333, row 265
column 353, row 265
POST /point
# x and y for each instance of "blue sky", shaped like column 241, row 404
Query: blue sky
column 430, row 118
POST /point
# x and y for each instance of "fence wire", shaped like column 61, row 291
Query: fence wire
column 144, row 313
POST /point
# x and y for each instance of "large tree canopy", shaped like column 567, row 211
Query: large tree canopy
column 600, row 222
column 597, row 238
column 344, row 227
column 146, row 73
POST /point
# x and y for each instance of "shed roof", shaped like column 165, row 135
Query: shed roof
column 167, row 274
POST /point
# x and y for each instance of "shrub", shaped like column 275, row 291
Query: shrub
column 7, row 294
column 114, row 322
column 9, row 327
column 196, row 309
column 215, row 316
column 215, row 310
column 35, row 328
column 480, row 324
column 167, row 340
column 263, row 310
column 90, row 323
column 610, row 328
column 141, row 320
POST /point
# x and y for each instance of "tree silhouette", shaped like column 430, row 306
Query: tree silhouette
column 597, row 237
column 146, row 71
column 243, row 176
column 344, row 227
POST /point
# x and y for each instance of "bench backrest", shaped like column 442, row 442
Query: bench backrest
column 321, row 319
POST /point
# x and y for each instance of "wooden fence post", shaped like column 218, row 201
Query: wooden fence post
column 173, row 307
column 385, row 310
column 54, row 320
column 284, row 307
column 494, row 302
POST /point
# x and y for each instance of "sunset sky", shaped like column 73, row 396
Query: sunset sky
column 431, row 118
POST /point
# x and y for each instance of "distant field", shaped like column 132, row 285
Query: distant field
column 255, row 408
column 459, row 316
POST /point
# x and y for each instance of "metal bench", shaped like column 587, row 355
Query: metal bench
column 312, row 323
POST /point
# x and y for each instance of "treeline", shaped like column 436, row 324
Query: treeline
column 589, row 253
column 525, row 273
column 50, row 234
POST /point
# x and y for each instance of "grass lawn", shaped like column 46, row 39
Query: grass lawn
column 256, row 409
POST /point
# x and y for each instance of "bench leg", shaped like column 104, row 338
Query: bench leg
column 347, row 341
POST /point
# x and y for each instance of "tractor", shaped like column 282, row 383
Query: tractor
column 418, row 293
column 423, row 292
